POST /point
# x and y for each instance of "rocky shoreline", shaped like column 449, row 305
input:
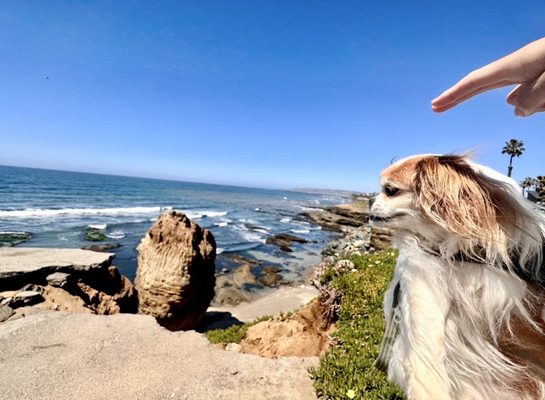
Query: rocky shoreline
column 83, row 282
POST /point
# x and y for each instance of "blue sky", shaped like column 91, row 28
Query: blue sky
column 258, row 93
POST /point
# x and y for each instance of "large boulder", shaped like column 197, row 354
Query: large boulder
column 176, row 273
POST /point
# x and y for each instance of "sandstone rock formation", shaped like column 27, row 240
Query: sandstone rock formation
column 303, row 334
column 34, row 280
column 76, row 356
column 176, row 273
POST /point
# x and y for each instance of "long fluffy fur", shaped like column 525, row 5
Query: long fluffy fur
column 469, row 329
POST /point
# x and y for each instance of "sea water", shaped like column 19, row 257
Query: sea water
column 56, row 207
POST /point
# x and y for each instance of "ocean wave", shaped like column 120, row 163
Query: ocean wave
column 196, row 214
column 300, row 231
column 247, row 235
column 285, row 220
column 100, row 227
column 67, row 212
column 116, row 235
column 220, row 250
column 223, row 223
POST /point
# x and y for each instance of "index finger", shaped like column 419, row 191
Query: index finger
column 489, row 77
column 521, row 65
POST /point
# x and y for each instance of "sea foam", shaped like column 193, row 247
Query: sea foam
column 67, row 212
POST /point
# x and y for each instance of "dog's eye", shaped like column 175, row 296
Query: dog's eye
column 391, row 191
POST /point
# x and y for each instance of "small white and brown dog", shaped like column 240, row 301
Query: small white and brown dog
column 464, row 312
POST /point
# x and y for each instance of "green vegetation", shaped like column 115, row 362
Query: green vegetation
column 347, row 370
column 233, row 334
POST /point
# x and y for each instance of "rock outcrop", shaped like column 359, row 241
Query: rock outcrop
column 34, row 280
column 303, row 334
column 285, row 241
column 341, row 218
column 176, row 273
column 75, row 356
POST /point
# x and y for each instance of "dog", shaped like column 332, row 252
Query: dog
column 465, row 309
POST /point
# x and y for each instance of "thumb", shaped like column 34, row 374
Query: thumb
column 528, row 97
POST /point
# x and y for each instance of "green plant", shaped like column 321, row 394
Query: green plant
column 233, row 334
column 347, row 370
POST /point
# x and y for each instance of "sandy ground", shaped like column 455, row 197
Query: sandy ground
column 284, row 299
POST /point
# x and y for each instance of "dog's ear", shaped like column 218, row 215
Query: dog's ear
column 453, row 196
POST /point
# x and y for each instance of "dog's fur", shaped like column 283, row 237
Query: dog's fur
column 471, row 275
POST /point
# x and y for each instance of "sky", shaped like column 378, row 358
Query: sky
column 278, row 94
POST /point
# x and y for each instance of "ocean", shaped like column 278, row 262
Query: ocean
column 56, row 207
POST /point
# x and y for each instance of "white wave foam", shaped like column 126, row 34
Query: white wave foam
column 300, row 231
column 196, row 214
column 220, row 250
column 98, row 226
column 67, row 212
column 221, row 223
column 285, row 220
column 116, row 235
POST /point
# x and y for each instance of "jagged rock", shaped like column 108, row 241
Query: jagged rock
column 58, row 279
column 113, row 294
column 175, row 276
column 94, row 235
column 25, row 298
column 10, row 239
column 102, row 247
column 284, row 241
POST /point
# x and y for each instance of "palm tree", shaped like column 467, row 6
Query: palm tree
column 528, row 183
column 514, row 148
column 540, row 187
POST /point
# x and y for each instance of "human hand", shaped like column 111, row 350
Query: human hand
column 525, row 67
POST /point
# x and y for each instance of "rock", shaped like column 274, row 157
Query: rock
column 381, row 238
column 114, row 294
column 233, row 347
column 10, row 239
column 5, row 312
column 270, row 276
column 19, row 266
column 94, row 235
column 25, row 298
column 244, row 278
column 284, row 241
column 131, row 357
column 102, row 247
column 344, row 217
column 342, row 267
column 58, row 279
column 230, row 296
column 176, row 273
column 303, row 334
